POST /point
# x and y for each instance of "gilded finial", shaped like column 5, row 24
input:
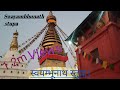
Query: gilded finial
column 50, row 13
column 51, row 18
column 14, row 43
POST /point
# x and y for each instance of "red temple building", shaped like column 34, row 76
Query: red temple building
column 98, row 44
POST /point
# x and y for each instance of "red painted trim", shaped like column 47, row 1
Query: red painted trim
column 53, row 56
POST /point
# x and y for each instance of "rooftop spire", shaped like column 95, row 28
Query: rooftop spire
column 50, row 13
column 52, row 44
column 14, row 43
column 51, row 18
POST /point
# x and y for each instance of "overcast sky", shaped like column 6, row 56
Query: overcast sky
column 66, row 20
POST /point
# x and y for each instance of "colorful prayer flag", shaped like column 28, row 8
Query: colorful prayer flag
column 112, row 66
column 85, row 54
column 97, row 60
column 104, row 65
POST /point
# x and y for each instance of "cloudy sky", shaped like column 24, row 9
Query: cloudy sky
column 66, row 20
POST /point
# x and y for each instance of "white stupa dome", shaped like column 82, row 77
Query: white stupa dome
column 9, row 54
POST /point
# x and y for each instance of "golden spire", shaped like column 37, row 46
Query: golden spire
column 51, row 18
column 50, row 13
column 50, row 42
column 51, row 36
column 14, row 43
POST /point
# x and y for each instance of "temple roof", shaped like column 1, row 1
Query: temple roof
column 81, row 29
column 91, row 19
